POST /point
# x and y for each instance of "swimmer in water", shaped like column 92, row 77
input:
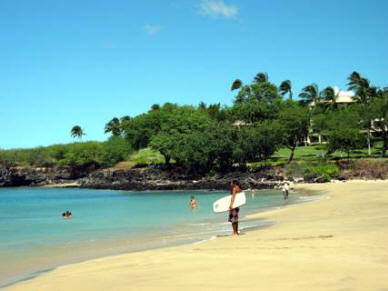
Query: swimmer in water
column 193, row 202
column 66, row 214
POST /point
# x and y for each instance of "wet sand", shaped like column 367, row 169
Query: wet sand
column 337, row 243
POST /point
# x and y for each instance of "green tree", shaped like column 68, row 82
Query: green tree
column 58, row 152
column 7, row 160
column 261, row 78
column 202, row 105
column 140, row 130
column 217, row 112
column 113, row 126
column 155, row 107
column 310, row 94
column 257, row 143
column 237, row 84
column 295, row 121
column 166, row 144
column 223, row 135
column 343, row 131
column 114, row 150
column 124, row 118
column 77, row 131
column 378, row 108
column 256, row 102
column 193, row 152
column 204, row 150
column 330, row 96
column 285, row 88
column 364, row 93
column 165, row 129
column 82, row 155
column 39, row 157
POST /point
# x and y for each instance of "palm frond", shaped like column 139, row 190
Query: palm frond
column 237, row 84
column 261, row 78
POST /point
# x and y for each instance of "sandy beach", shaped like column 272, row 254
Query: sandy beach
column 62, row 185
column 337, row 243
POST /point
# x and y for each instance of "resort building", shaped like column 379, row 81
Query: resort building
column 344, row 98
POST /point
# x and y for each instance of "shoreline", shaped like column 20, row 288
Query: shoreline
column 176, row 244
column 148, row 178
column 247, row 225
column 62, row 185
column 334, row 243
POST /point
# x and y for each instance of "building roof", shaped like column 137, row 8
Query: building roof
column 344, row 96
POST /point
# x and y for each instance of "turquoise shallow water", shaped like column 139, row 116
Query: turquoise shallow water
column 34, row 237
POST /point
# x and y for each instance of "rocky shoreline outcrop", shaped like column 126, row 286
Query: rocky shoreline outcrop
column 175, row 178
column 139, row 179
column 157, row 179
column 18, row 176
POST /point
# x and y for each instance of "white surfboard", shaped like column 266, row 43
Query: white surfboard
column 222, row 205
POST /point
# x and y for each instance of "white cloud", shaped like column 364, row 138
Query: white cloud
column 218, row 8
column 153, row 29
column 343, row 93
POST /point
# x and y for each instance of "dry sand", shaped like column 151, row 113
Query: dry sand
column 338, row 243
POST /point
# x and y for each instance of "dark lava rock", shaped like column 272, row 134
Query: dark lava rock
column 158, row 179
column 18, row 176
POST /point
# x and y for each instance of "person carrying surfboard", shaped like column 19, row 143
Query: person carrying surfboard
column 235, row 188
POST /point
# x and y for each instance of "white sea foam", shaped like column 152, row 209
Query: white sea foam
column 204, row 240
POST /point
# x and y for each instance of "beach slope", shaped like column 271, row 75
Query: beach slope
column 337, row 243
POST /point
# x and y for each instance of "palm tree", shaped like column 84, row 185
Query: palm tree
column 329, row 95
column 361, row 87
column 354, row 81
column 285, row 87
column 261, row 78
column 77, row 131
column 237, row 84
column 155, row 107
column 124, row 118
column 310, row 94
column 363, row 94
column 113, row 126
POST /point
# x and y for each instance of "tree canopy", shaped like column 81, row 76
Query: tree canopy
column 213, row 137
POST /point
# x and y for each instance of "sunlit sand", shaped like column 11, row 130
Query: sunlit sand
column 337, row 243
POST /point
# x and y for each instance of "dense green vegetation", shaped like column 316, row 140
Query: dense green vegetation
column 308, row 170
column 74, row 155
column 264, row 126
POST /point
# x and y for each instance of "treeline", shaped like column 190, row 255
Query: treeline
column 263, row 118
column 74, row 155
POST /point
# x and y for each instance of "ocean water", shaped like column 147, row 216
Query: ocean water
column 34, row 237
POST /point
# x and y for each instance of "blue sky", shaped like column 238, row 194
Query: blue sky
column 66, row 62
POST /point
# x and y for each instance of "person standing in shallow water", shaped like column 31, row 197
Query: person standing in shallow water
column 285, row 190
column 235, row 188
column 193, row 202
